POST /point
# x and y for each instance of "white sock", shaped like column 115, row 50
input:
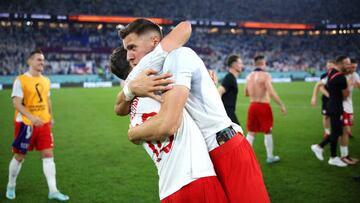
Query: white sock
column 14, row 169
column 250, row 138
column 268, row 141
column 344, row 151
column 327, row 131
column 50, row 172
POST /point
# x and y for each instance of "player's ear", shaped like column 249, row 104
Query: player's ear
column 155, row 39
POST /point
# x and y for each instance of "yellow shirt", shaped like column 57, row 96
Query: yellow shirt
column 36, row 91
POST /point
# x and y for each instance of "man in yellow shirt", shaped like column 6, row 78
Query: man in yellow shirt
column 33, row 121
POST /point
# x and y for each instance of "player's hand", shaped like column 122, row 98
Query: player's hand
column 283, row 109
column 313, row 101
column 36, row 121
column 213, row 76
column 147, row 85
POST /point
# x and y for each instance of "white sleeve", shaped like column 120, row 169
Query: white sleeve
column 324, row 80
column 17, row 90
column 182, row 66
column 154, row 60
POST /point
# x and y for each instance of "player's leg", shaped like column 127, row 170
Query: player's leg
column 250, row 137
column 326, row 125
column 14, row 170
column 266, row 124
column 252, row 124
column 23, row 139
column 239, row 172
column 44, row 144
column 344, row 146
column 49, row 170
column 269, row 146
column 336, row 131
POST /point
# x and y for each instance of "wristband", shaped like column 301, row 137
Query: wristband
column 127, row 92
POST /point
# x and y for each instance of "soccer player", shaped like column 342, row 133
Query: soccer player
column 338, row 89
column 228, row 89
column 186, row 173
column 33, row 122
column 233, row 158
column 353, row 80
column 324, row 98
column 260, row 118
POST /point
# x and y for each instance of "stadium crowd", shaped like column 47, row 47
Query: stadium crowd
column 311, row 11
column 85, row 49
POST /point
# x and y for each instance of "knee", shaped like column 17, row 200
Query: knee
column 19, row 157
column 47, row 154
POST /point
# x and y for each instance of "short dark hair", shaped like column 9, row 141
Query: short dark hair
column 353, row 60
column 339, row 59
column 119, row 66
column 259, row 58
column 139, row 27
column 35, row 51
column 231, row 59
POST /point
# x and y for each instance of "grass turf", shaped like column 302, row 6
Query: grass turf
column 96, row 163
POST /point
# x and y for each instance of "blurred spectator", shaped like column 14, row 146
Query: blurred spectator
column 85, row 49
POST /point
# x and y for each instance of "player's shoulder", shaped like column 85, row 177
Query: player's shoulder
column 266, row 74
column 183, row 51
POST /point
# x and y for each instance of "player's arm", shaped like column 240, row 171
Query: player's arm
column 270, row 89
column 319, row 86
column 246, row 90
column 167, row 121
column 224, row 85
column 143, row 86
column 177, row 37
column 221, row 90
column 18, row 105
column 50, row 110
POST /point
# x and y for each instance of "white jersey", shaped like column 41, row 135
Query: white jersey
column 179, row 159
column 204, row 103
column 347, row 103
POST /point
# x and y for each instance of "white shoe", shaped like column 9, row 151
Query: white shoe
column 10, row 193
column 318, row 151
column 337, row 162
column 274, row 159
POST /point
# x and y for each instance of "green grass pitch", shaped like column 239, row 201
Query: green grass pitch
column 96, row 163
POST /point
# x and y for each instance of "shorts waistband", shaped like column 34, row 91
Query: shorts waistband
column 225, row 135
column 228, row 146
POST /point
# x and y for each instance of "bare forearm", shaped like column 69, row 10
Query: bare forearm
column 21, row 108
column 122, row 107
column 50, row 109
column 246, row 91
column 276, row 98
column 167, row 121
column 177, row 37
column 221, row 90
column 151, row 130
column 316, row 89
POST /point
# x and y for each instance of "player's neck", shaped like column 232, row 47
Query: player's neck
column 34, row 73
column 234, row 72
column 258, row 68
